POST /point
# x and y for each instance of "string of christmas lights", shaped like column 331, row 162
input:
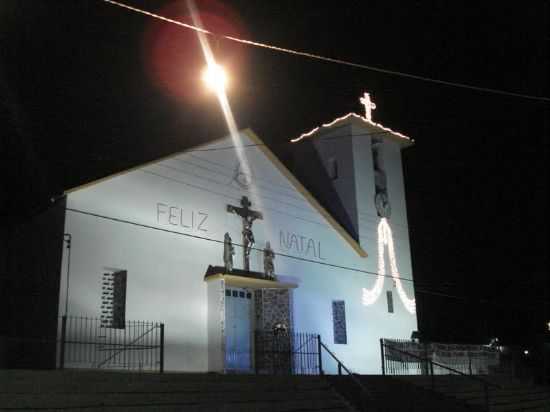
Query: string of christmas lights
column 351, row 114
column 385, row 238
column 418, row 286
column 371, row 296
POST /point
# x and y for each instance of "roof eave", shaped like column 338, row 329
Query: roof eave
column 353, row 118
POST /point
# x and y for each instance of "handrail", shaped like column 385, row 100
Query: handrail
column 341, row 366
column 441, row 366
column 484, row 383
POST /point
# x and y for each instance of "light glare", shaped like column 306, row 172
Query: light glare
column 215, row 78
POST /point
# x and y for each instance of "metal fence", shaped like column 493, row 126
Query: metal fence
column 88, row 343
column 292, row 353
column 405, row 357
column 398, row 361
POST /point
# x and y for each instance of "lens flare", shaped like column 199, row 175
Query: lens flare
column 216, row 74
column 215, row 78
column 173, row 58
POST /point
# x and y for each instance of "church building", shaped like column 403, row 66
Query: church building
column 224, row 240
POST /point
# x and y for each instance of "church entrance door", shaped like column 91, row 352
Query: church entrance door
column 239, row 308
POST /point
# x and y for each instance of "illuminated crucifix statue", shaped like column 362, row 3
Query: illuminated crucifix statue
column 369, row 105
column 248, row 216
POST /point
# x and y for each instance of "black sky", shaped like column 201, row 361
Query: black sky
column 80, row 100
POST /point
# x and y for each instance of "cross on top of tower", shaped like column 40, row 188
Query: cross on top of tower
column 369, row 105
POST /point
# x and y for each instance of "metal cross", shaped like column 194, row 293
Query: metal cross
column 369, row 105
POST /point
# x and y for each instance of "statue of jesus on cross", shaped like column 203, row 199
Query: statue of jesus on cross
column 248, row 217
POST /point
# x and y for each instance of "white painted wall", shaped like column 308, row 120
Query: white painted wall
column 337, row 144
column 118, row 223
column 366, row 209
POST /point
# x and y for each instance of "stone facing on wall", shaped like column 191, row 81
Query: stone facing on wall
column 221, row 309
column 272, row 306
column 339, row 321
column 113, row 300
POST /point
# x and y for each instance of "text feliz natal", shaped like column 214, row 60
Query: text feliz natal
column 299, row 244
column 198, row 220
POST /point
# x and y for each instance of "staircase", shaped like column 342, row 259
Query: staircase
column 391, row 394
column 509, row 396
column 72, row 390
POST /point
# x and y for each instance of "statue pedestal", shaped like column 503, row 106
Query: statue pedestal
column 272, row 304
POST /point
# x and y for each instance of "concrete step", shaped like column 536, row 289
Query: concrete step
column 511, row 396
column 456, row 380
column 101, row 387
column 98, row 390
column 258, row 407
column 394, row 395
column 114, row 400
column 497, row 398
column 83, row 382
column 124, row 376
column 196, row 396
column 528, row 406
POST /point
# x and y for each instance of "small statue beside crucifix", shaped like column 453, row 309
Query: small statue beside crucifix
column 269, row 266
column 228, row 252
column 248, row 217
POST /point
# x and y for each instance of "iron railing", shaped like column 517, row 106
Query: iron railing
column 295, row 353
column 469, row 359
column 357, row 392
column 87, row 343
column 292, row 353
column 396, row 361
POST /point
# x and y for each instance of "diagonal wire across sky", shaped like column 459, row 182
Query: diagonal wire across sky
column 301, row 53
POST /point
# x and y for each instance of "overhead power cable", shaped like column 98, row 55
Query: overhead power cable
column 418, row 286
column 329, row 59
column 208, row 239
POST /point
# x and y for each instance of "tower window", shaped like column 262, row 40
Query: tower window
column 381, row 199
column 389, row 297
column 339, row 321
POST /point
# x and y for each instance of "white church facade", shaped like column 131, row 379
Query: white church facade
column 337, row 262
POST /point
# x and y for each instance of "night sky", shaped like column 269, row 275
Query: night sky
column 88, row 89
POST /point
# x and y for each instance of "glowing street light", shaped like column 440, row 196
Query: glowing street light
column 215, row 78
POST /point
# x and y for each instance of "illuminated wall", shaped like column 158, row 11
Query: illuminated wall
column 160, row 224
column 349, row 141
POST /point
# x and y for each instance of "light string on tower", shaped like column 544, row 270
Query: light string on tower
column 385, row 239
column 372, row 295
column 383, row 207
column 418, row 289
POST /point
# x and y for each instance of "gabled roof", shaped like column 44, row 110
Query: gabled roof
column 353, row 118
column 278, row 165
